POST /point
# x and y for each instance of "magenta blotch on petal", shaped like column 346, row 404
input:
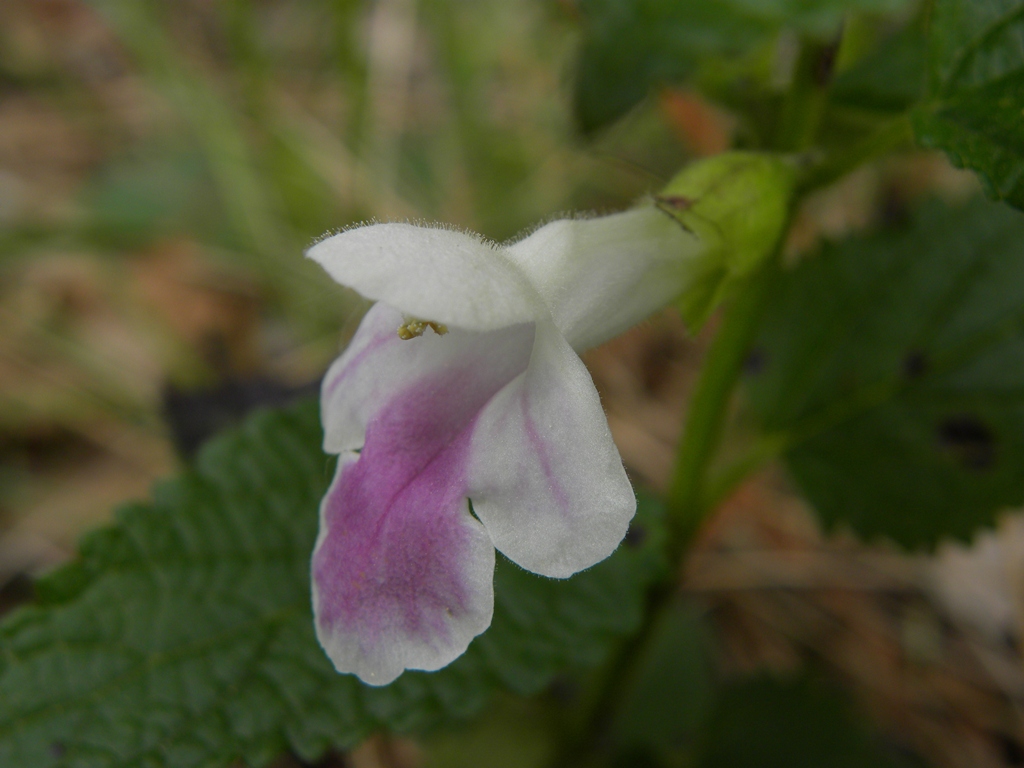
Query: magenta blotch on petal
column 402, row 571
column 398, row 579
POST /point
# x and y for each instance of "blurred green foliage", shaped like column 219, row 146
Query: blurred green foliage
column 632, row 47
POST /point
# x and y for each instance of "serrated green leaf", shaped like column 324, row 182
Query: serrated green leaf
column 893, row 371
column 976, row 113
column 982, row 129
column 633, row 46
column 183, row 637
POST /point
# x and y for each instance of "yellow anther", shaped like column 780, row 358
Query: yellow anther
column 412, row 328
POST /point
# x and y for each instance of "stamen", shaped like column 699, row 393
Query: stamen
column 413, row 327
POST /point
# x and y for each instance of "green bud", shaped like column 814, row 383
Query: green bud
column 737, row 203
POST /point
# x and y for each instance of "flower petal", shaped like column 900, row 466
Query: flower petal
column 434, row 274
column 545, row 477
column 402, row 573
column 601, row 276
column 351, row 387
column 399, row 583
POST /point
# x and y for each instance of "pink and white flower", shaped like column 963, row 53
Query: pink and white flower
column 485, row 402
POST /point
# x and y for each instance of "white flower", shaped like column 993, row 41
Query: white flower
column 484, row 400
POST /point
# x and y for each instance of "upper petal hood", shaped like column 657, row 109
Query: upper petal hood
column 434, row 274
column 601, row 276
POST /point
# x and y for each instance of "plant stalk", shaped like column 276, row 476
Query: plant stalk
column 892, row 135
column 807, row 98
column 709, row 407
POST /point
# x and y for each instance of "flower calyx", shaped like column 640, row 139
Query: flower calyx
column 738, row 204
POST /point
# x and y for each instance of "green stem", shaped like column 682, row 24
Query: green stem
column 807, row 97
column 709, row 407
column 895, row 134
column 601, row 717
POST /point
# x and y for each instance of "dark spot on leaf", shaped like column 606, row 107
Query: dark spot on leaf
column 1009, row 640
column 635, row 536
column 564, row 690
column 755, row 362
column 915, row 365
column 57, row 750
column 18, row 590
column 969, row 441
column 1013, row 751
column 893, row 209
column 825, row 64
